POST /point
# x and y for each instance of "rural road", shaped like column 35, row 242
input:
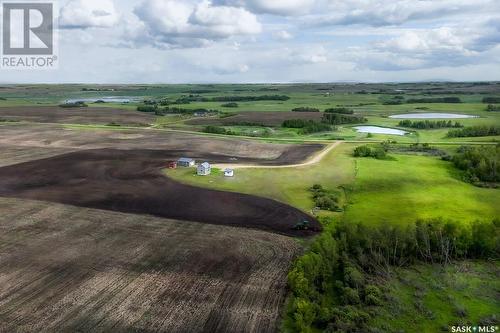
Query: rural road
column 313, row 160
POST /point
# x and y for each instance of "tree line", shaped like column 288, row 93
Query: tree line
column 160, row 111
column 306, row 126
column 338, row 285
column 474, row 131
column 491, row 100
column 429, row 124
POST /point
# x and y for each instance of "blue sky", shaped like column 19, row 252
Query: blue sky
column 240, row 41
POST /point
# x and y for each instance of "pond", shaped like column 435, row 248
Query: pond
column 379, row 130
column 106, row 99
column 430, row 115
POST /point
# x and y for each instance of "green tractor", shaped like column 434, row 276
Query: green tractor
column 302, row 225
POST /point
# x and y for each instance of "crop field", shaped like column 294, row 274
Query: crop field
column 91, row 115
column 65, row 268
column 130, row 181
column 264, row 118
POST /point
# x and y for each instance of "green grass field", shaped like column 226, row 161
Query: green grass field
column 432, row 298
column 289, row 185
column 394, row 191
column 413, row 187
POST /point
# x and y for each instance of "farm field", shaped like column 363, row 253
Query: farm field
column 98, row 235
column 102, row 116
column 65, row 268
column 416, row 187
column 130, row 181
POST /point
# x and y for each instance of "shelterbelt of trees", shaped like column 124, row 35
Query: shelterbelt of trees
column 429, row 124
column 341, row 277
column 474, row 131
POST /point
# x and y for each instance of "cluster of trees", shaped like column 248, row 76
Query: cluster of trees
column 305, row 109
column 434, row 100
column 341, row 110
column 429, row 124
column 379, row 153
column 160, row 111
column 78, row 104
column 481, row 164
column 324, row 199
column 307, row 126
column 474, row 131
column 491, row 100
column 338, row 285
column 230, row 105
column 493, row 108
column 218, row 130
column 247, row 98
column 395, row 100
column 339, row 118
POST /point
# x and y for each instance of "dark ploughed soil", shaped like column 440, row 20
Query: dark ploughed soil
column 130, row 181
column 264, row 118
column 84, row 116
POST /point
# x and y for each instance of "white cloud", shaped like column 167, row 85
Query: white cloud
column 282, row 35
column 429, row 48
column 382, row 13
column 275, row 7
column 88, row 14
column 175, row 23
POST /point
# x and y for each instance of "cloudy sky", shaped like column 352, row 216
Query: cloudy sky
column 236, row 41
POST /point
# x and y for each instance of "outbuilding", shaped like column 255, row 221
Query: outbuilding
column 186, row 162
column 204, row 169
column 172, row 165
column 228, row 173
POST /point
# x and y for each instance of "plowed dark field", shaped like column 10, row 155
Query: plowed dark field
column 86, row 116
column 130, row 181
column 71, row 269
column 264, row 118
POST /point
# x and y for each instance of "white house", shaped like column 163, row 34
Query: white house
column 185, row 162
column 229, row 173
column 204, row 169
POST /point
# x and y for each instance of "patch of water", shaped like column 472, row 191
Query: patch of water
column 379, row 130
column 430, row 115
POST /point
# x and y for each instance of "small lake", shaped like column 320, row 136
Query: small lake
column 105, row 99
column 430, row 115
column 379, row 130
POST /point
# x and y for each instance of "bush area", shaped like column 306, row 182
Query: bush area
column 230, row 105
column 338, row 286
column 217, row 130
column 429, row 124
column 305, row 109
column 493, row 108
column 307, row 126
column 491, row 100
column 474, row 131
column 367, row 151
column 481, row 164
column 324, row 199
column 338, row 119
column 341, row 110
column 160, row 111
column 434, row 100
column 74, row 105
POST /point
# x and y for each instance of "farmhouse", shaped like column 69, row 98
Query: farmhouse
column 204, row 169
column 228, row 173
column 185, row 162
